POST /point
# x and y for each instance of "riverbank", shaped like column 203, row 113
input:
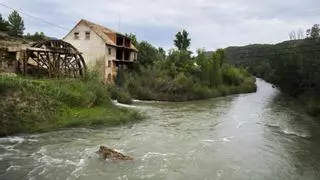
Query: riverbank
column 159, row 86
column 194, row 93
column 29, row 105
column 296, row 70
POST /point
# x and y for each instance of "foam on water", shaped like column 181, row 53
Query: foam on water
column 115, row 102
column 299, row 133
column 46, row 161
column 223, row 139
column 10, row 148
column 43, row 171
column 79, row 166
column 5, row 155
column 149, row 155
column 50, row 160
column 143, row 101
column 290, row 132
column 13, row 139
column 13, row 167
column 240, row 124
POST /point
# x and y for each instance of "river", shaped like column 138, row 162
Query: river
column 261, row 135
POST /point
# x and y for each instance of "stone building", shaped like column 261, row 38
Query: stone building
column 102, row 48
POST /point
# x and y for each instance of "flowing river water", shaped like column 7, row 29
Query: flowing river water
column 261, row 135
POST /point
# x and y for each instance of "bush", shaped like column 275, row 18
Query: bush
column 232, row 75
column 121, row 95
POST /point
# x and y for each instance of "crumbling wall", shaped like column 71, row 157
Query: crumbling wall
column 8, row 62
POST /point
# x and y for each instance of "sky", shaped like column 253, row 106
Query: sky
column 211, row 24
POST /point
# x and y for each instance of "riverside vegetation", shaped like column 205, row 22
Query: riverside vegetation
column 179, row 76
column 39, row 105
column 292, row 65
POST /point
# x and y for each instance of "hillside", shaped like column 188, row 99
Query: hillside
column 293, row 66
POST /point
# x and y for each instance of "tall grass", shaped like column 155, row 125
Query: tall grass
column 33, row 105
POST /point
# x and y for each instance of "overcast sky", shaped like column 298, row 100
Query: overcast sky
column 211, row 23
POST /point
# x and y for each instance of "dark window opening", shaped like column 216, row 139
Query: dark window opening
column 119, row 55
column 11, row 58
column 127, row 55
column 76, row 35
column 119, row 40
column 109, row 50
column 109, row 63
column 127, row 42
column 87, row 35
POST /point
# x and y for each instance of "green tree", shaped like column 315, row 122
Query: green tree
column 181, row 60
column 147, row 55
column 133, row 39
column 314, row 32
column 16, row 27
column 222, row 56
column 37, row 36
column 3, row 24
column 182, row 41
column 215, row 76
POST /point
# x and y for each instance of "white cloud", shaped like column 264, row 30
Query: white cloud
column 211, row 23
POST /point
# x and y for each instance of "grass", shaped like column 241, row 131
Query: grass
column 39, row 105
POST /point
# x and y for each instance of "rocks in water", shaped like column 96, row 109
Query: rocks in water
column 108, row 153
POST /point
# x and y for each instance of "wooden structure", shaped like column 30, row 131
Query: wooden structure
column 53, row 58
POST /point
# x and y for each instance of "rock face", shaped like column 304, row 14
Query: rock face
column 108, row 153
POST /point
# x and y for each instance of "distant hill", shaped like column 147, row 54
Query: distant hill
column 255, row 57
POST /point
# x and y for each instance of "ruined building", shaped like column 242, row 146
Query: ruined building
column 102, row 48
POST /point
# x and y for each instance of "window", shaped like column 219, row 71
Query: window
column 87, row 35
column 76, row 35
column 109, row 49
column 109, row 63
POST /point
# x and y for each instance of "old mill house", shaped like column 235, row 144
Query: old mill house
column 102, row 48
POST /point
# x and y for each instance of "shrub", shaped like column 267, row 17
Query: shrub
column 121, row 95
column 232, row 75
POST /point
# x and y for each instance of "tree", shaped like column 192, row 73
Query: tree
column 181, row 60
column 147, row 55
column 222, row 56
column 300, row 34
column 182, row 41
column 38, row 36
column 3, row 24
column 162, row 53
column 16, row 27
column 314, row 32
column 293, row 35
column 133, row 39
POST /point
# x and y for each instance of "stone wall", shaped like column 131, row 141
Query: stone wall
column 8, row 62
